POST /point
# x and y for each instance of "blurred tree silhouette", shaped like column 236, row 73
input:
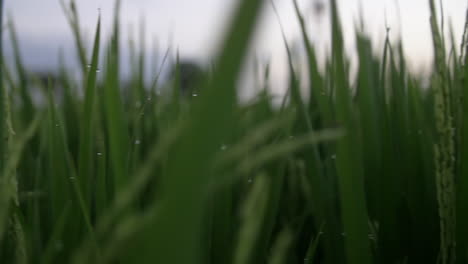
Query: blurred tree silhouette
column 191, row 74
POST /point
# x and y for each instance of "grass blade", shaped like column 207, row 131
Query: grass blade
column 85, row 162
column 348, row 158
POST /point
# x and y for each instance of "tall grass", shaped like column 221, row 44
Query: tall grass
column 2, row 94
column 372, row 171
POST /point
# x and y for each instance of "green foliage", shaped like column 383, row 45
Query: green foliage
column 368, row 171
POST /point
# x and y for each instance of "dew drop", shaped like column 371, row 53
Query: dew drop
column 194, row 95
column 223, row 147
column 88, row 66
column 72, row 178
column 99, row 154
column 250, row 180
column 333, row 157
column 137, row 142
column 98, row 70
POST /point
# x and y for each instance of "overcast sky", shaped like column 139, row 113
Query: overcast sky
column 194, row 26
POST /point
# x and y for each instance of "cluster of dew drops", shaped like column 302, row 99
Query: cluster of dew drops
column 89, row 67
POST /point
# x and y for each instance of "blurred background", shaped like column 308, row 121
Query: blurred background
column 194, row 28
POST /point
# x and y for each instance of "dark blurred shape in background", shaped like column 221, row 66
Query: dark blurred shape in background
column 191, row 75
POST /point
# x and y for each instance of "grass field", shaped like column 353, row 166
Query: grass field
column 369, row 171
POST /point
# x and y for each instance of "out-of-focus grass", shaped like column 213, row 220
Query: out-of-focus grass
column 372, row 171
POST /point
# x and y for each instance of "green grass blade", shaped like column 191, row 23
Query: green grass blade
column 462, row 187
column 51, row 248
column 57, row 182
column 281, row 247
column 22, row 77
column 85, row 161
column 444, row 147
column 174, row 239
column 8, row 182
column 253, row 215
column 117, row 130
column 312, row 249
column 318, row 93
column 2, row 94
column 71, row 14
column 348, row 159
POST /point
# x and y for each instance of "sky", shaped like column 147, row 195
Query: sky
column 195, row 27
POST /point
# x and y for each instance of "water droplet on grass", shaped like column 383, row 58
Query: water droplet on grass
column 99, row 154
column 223, row 147
column 194, row 95
column 137, row 142
column 333, row 157
column 72, row 178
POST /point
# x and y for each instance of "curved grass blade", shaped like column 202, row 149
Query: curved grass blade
column 28, row 109
column 317, row 97
column 71, row 14
column 8, row 181
column 173, row 238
